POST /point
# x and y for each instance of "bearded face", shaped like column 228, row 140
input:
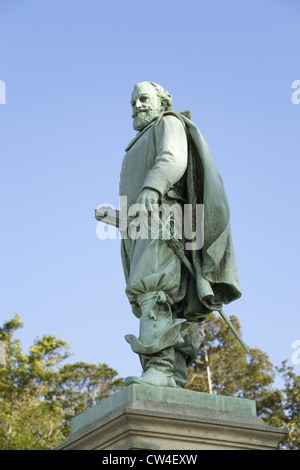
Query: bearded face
column 146, row 106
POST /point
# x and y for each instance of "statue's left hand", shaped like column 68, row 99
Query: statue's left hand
column 147, row 198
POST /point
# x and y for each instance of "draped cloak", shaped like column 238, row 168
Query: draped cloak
column 214, row 265
column 216, row 277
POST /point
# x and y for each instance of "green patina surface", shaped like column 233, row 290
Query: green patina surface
column 164, row 395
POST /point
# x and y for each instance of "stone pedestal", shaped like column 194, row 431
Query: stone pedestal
column 153, row 418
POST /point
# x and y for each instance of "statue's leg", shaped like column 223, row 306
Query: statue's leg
column 180, row 370
column 159, row 334
column 154, row 283
column 186, row 353
column 169, row 360
column 158, row 369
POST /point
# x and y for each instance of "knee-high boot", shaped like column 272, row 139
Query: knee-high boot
column 159, row 334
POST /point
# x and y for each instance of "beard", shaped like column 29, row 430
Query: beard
column 144, row 117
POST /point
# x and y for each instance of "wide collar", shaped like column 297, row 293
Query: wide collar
column 186, row 114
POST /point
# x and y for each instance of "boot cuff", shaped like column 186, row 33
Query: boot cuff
column 170, row 336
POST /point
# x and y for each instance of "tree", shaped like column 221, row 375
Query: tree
column 39, row 394
column 82, row 386
column 290, row 419
column 222, row 367
column 232, row 373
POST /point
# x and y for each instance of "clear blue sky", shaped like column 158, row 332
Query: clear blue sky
column 69, row 67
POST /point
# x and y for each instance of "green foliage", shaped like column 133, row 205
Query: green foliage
column 232, row 373
column 290, row 419
column 223, row 361
column 39, row 394
column 84, row 385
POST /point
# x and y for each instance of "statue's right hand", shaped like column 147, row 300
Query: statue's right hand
column 147, row 198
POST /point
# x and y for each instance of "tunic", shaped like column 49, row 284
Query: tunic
column 155, row 159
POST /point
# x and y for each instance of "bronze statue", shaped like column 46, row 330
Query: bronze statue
column 173, row 281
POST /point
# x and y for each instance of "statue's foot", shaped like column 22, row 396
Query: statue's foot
column 152, row 376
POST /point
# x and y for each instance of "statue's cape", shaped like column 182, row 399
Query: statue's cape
column 216, row 277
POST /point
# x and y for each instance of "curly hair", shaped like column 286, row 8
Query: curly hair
column 163, row 95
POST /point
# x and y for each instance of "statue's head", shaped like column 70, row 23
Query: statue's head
column 148, row 101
